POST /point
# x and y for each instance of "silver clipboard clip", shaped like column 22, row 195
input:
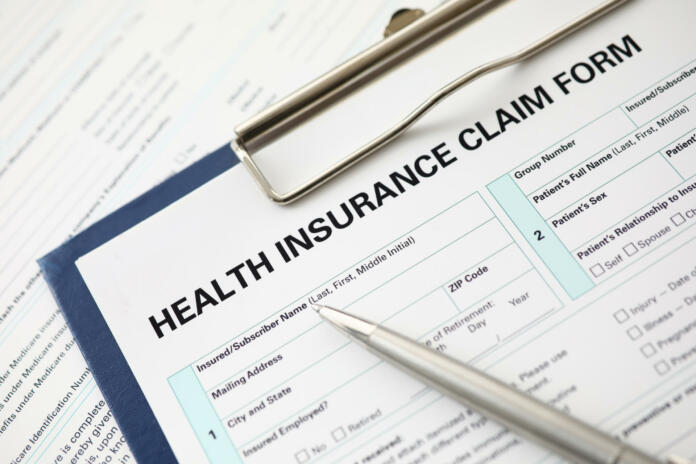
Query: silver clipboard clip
column 408, row 32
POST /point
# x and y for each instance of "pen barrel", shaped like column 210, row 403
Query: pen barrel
column 516, row 410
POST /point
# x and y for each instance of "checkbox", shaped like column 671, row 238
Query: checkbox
column 597, row 270
column 678, row 219
column 630, row 249
column 302, row 456
column 634, row 332
column 662, row 367
column 338, row 434
column 621, row 316
column 648, row 350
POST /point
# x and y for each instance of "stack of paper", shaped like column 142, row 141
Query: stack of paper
column 98, row 102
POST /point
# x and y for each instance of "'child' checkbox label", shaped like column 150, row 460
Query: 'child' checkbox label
column 678, row 219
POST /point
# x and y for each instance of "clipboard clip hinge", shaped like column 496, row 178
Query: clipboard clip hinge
column 404, row 35
column 402, row 18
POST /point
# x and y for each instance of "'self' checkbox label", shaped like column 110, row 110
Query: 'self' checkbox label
column 597, row 270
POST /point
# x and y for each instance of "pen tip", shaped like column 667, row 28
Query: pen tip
column 352, row 325
column 323, row 310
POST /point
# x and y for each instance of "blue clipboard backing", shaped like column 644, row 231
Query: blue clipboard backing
column 108, row 365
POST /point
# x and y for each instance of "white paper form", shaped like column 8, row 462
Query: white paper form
column 99, row 101
column 465, row 235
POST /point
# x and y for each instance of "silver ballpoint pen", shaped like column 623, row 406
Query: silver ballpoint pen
column 559, row 432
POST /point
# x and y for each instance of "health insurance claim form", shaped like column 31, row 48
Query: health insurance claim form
column 540, row 225
column 99, row 101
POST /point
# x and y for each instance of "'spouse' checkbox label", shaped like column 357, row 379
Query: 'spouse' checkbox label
column 630, row 249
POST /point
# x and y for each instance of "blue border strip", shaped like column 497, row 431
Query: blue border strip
column 109, row 367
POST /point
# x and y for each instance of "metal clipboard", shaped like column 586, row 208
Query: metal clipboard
column 408, row 32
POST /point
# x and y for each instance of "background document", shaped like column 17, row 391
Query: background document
column 99, row 101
